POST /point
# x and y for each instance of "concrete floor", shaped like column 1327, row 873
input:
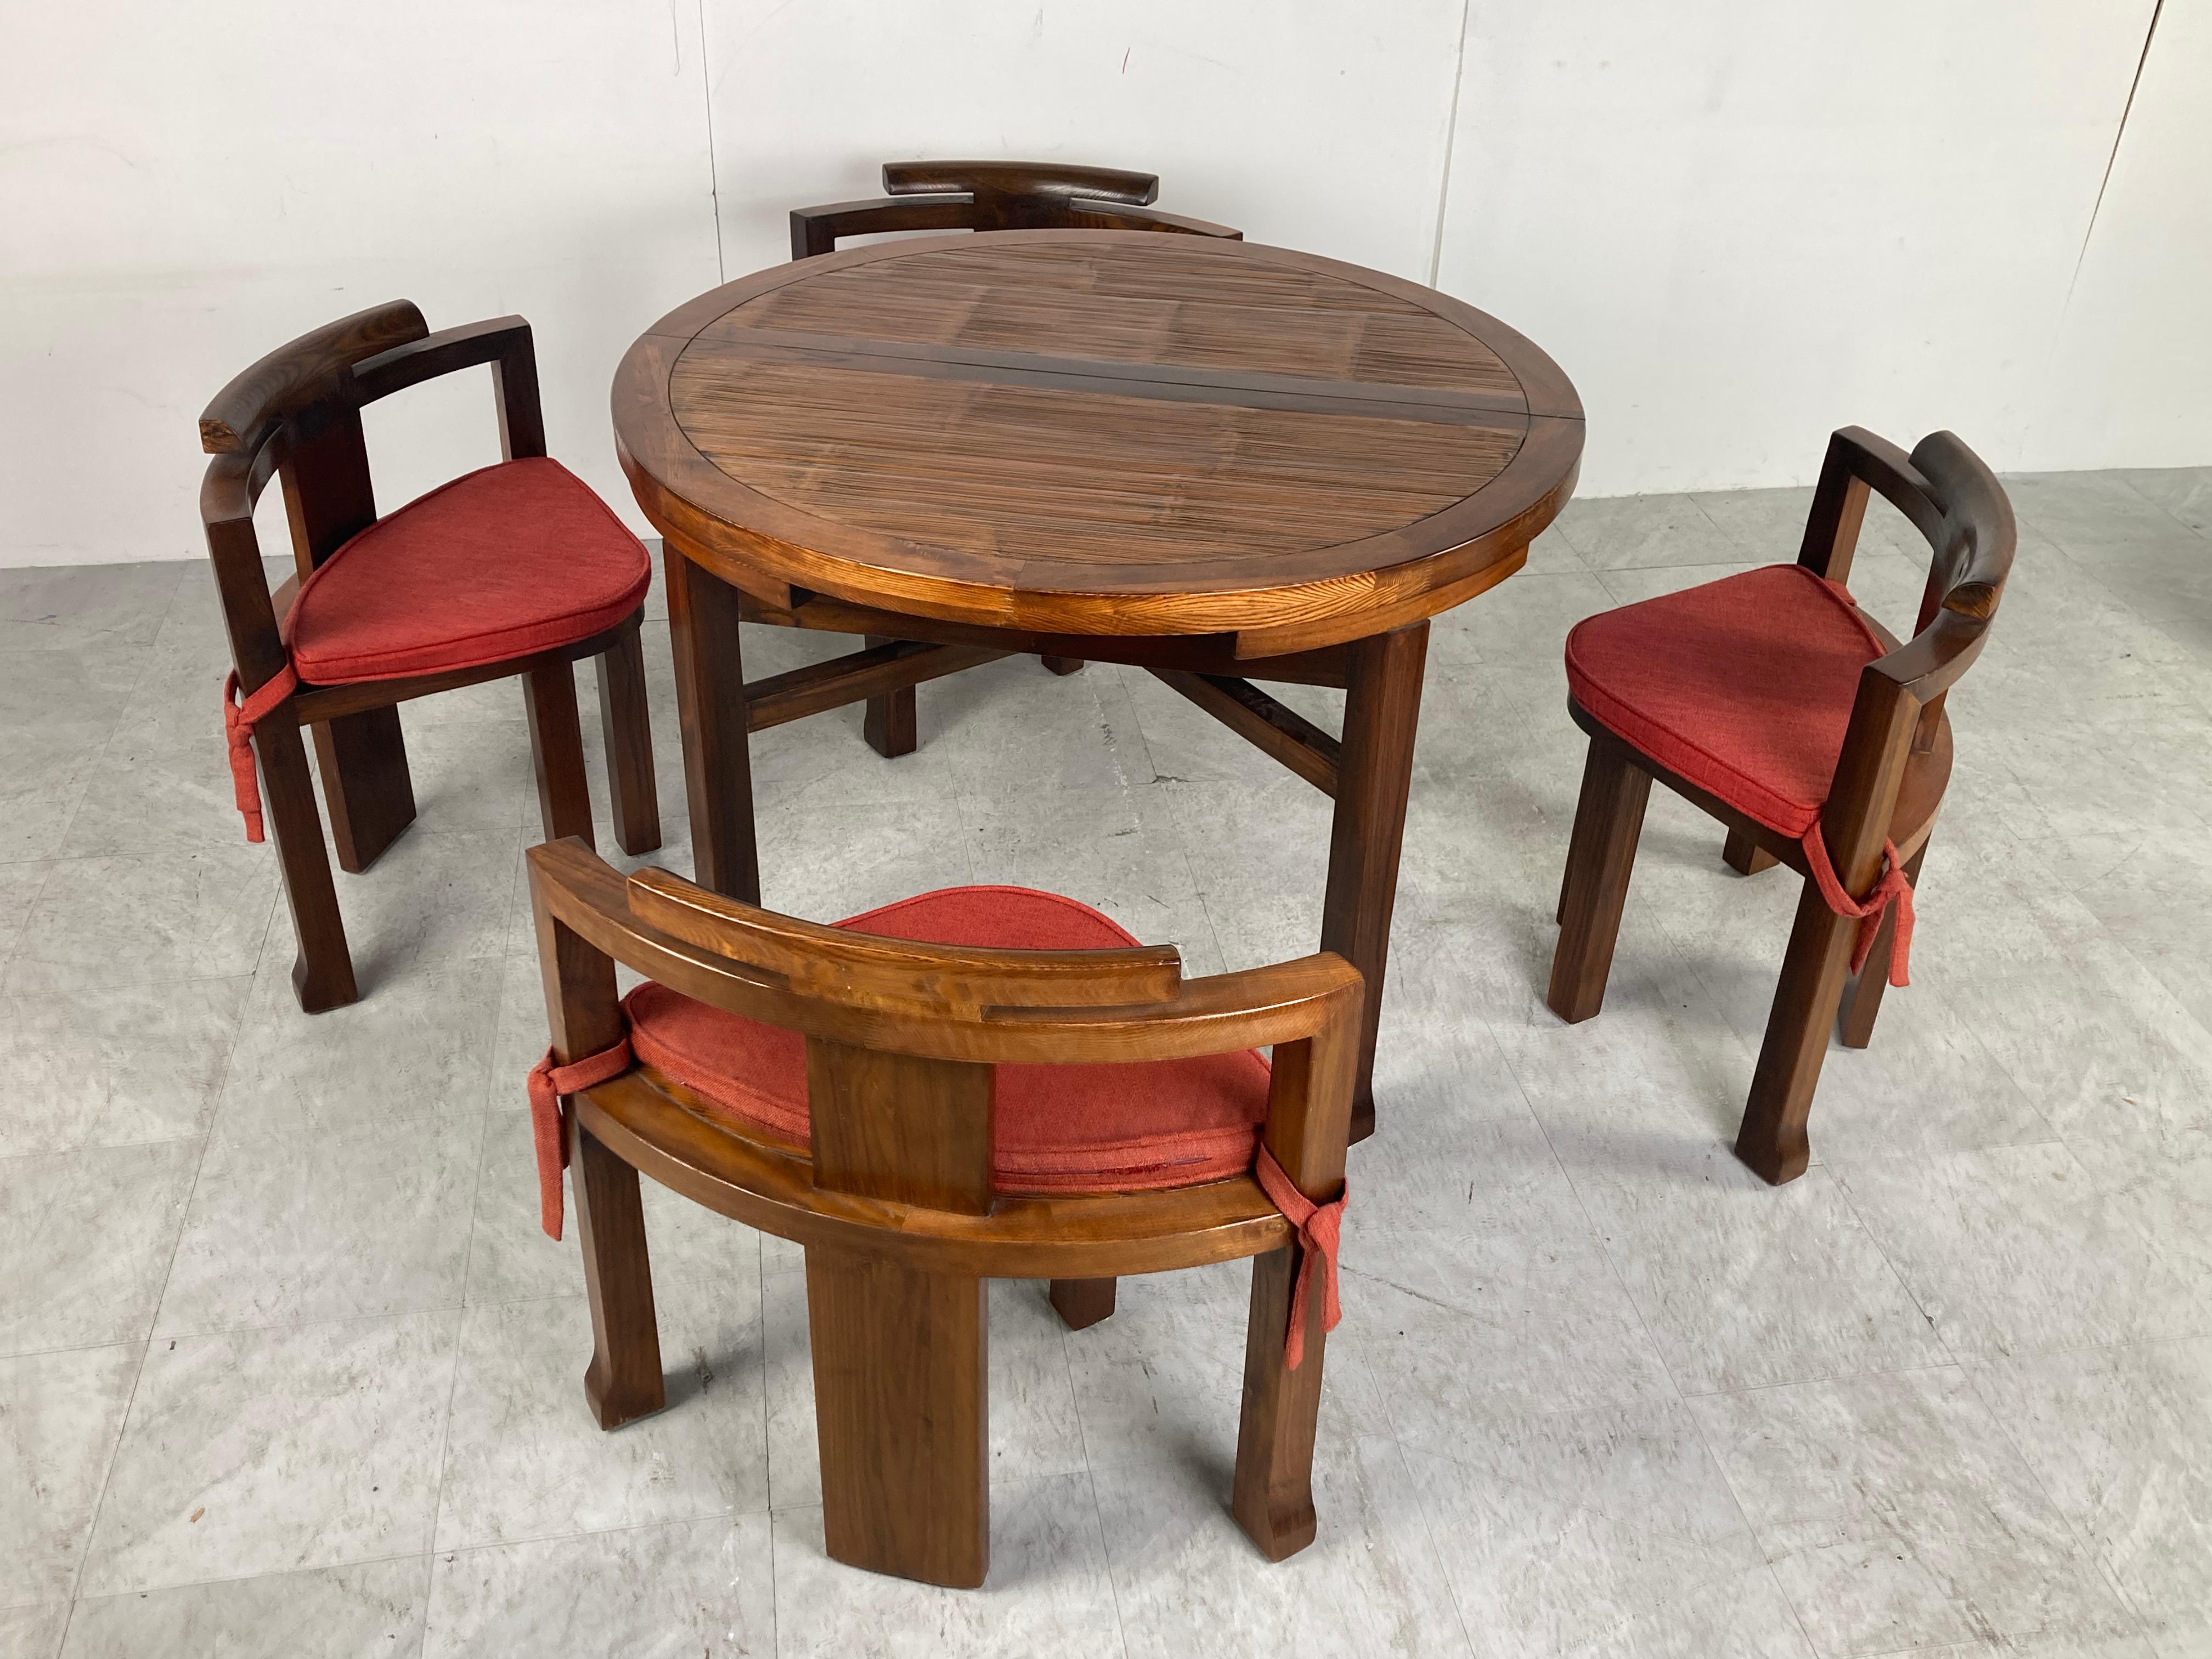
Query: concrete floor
column 286, row 1368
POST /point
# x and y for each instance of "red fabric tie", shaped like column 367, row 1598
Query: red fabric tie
column 549, row 1081
column 1891, row 889
column 1318, row 1225
column 237, row 718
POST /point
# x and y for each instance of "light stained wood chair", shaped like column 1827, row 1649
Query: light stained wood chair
column 515, row 570
column 1772, row 701
column 924, row 196
column 924, row 1115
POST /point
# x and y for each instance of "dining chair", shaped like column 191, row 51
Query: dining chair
column 516, row 569
column 1771, row 700
column 978, row 1083
column 982, row 196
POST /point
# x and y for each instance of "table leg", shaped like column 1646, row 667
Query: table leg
column 891, row 725
column 1381, row 707
column 710, row 701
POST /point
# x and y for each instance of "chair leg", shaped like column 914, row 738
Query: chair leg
column 1601, row 857
column 1082, row 1302
column 363, row 761
column 322, row 973
column 624, row 1382
column 556, row 751
column 1272, row 1499
column 627, row 725
column 902, row 1416
column 1063, row 665
column 891, row 727
column 1771, row 1139
column 1863, row 1003
column 1745, row 856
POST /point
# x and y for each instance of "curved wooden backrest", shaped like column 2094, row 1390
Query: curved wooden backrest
column 303, row 372
column 1974, row 554
column 946, row 1002
column 866, row 970
column 995, row 195
column 1040, row 179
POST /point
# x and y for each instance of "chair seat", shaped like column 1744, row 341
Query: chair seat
column 1742, row 686
column 1055, row 1129
column 499, row 564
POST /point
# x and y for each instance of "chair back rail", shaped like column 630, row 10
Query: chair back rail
column 1051, row 180
column 863, row 969
column 995, row 195
column 576, row 892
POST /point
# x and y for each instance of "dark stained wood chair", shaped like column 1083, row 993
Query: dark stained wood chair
column 995, row 195
column 979, row 1083
column 923, row 196
column 515, row 569
column 1771, row 700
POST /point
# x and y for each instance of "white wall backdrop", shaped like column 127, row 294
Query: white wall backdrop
column 183, row 187
column 1737, row 223
column 2129, row 379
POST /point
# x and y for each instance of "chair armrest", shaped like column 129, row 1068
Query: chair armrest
column 448, row 349
column 1933, row 660
column 1856, row 460
column 1889, row 470
column 502, row 341
column 1084, row 214
column 816, row 230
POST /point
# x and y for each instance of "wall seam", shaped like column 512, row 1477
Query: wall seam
column 714, row 171
column 1451, row 136
column 2113, row 159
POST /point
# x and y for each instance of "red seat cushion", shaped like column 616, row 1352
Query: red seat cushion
column 517, row 558
column 1743, row 686
column 1056, row 1128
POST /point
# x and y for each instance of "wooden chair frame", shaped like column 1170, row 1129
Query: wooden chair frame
column 296, row 415
column 893, row 1200
column 962, row 196
column 995, row 195
column 1888, row 784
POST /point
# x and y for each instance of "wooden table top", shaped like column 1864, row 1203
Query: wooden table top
column 1099, row 432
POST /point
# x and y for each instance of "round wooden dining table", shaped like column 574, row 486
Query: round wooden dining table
column 1222, row 462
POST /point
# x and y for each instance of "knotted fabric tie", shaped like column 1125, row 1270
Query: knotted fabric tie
column 549, row 1081
column 1891, row 889
column 237, row 718
column 1318, row 1225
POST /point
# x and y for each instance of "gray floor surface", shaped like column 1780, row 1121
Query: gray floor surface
column 286, row 1368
